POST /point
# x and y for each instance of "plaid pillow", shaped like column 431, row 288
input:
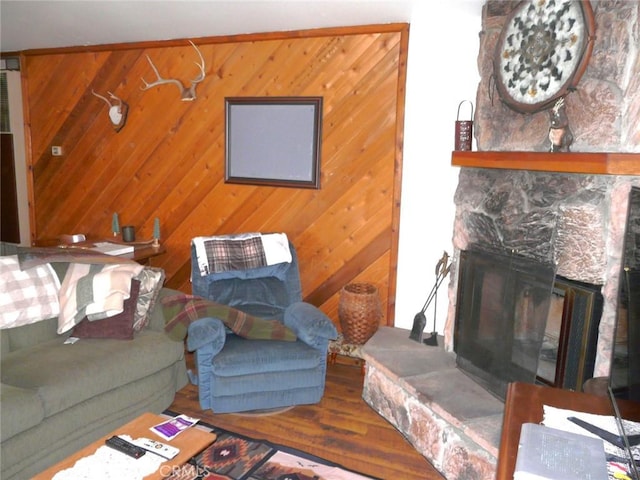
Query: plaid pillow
column 27, row 296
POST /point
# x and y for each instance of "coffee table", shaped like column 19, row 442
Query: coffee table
column 190, row 442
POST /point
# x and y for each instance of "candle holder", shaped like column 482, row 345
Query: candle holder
column 115, row 225
column 156, row 232
column 129, row 233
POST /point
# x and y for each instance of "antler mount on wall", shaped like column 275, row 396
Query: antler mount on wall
column 186, row 94
column 117, row 110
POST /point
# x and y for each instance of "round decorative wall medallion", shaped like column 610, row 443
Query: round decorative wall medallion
column 542, row 52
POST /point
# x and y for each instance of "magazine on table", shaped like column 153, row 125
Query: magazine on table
column 171, row 428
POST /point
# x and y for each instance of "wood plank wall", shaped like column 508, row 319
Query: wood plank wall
column 168, row 161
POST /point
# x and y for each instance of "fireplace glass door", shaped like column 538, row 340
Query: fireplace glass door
column 503, row 305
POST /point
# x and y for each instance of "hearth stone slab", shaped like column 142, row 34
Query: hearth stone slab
column 447, row 417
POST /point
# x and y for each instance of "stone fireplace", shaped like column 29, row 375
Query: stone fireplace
column 568, row 210
column 575, row 222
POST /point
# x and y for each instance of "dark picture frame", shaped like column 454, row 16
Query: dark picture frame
column 273, row 141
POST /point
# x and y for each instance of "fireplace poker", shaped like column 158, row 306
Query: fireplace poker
column 441, row 272
column 419, row 321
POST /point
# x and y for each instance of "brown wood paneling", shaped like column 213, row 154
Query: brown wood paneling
column 168, row 161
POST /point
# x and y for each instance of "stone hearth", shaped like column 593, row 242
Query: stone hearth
column 450, row 419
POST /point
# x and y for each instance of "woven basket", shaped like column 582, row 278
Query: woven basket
column 359, row 311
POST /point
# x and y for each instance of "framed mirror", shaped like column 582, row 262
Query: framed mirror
column 273, row 141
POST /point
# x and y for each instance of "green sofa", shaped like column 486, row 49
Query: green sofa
column 56, row 398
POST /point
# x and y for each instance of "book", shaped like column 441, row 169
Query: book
column 112, row 248
column 546, row 453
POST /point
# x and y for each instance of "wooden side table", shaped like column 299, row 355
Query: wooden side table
column 524, row 404
column 142, row 252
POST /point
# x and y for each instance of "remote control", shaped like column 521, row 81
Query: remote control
column 159, row 448
column 125, row 447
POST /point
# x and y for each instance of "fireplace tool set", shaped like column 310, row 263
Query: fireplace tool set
column 419, row 321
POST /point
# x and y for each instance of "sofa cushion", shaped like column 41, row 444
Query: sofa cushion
column 5, row 345
column 65, row 375
column 29, row 335
column 25, row 407
column 241, row 357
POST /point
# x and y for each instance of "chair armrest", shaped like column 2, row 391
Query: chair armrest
column 310, row 324
column 206, row 336
column 209, row 332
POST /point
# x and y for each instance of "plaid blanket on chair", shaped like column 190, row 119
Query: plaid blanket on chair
column 240, row 252
column 180, row 310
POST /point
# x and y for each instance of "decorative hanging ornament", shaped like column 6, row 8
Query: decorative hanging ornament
column 542, row 52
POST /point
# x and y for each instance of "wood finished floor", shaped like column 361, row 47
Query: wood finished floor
column 341, row 428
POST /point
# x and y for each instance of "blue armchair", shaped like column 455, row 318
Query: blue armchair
column 236, row 374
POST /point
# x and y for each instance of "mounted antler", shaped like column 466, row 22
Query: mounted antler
column 186, row 94
column 117, row 111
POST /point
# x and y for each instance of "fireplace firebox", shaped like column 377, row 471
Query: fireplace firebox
column 568, row 353
column 517, row 321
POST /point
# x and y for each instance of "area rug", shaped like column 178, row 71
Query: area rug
column 237, row 457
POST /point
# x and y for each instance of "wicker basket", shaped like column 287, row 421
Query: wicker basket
column 359, row 311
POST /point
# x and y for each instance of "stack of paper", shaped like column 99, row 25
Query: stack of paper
column 112, row 248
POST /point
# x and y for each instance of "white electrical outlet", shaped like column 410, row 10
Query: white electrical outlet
column 56, row 151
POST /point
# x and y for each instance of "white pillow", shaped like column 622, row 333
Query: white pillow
column 94, row 290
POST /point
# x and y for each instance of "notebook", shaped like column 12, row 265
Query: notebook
column 546, row 453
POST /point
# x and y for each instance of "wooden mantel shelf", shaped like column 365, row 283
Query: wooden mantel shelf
column 585, row 163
